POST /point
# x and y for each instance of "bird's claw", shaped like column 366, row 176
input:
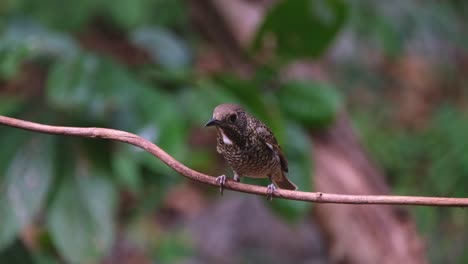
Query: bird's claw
column 221, row 180
column 271, row 188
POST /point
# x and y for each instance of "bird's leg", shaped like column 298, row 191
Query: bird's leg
column 221, row 180
column 236, row 177
column 270, row 189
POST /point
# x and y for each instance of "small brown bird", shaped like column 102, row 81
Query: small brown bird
column 249, row 147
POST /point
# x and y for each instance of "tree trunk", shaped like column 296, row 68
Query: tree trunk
column 359, row 233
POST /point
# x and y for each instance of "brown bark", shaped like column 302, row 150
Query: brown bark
column 359, row 233
column 211, row 24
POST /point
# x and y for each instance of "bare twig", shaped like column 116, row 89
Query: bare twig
column 318, row 197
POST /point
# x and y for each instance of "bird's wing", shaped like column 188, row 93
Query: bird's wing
column 283, row 161
column 272, row 143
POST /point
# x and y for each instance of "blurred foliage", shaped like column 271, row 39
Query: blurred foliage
column 394, row 28
column 438, row 163
column 71, row 187
column 293, row 39
column 427, row 162
column 26, row 181
column 314, row 104
column 380, row 73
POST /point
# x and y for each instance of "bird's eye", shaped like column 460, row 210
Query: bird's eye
column 233, row 118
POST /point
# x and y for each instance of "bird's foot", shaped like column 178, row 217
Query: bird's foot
column 271, row 188
column 236, row 177
column 221, row 180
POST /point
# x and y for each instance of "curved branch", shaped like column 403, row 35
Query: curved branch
column 318, row 197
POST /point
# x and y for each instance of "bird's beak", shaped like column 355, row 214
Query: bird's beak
column 212, row 122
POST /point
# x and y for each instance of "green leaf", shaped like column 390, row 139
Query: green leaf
column 246, row 91
column 311, row 103
column 11, row 140
column 24, row 39
column 170, row 14
column 17, row 253
column 72, row 16
column 72, row 83
column 9, row 227
column 164, row 47
column 90, row 85
column 25, row 186
column 128, row 14
column 126, row 168
column 301, row 28
column 80, row 217
column 99, row 88
column 174, row 248
column 11, row 59
column 161, row 123
column 10, row 104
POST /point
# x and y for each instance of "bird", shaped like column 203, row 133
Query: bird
column 249, row 147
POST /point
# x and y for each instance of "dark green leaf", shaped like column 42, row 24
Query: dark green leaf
column 174, row 248
column 161, row 123
column 246, row 91
column 11, row 59
column 311, row 103
column 126, row 168
column 164, row 47
column 72, row 83
column 301, row 28
column 170, row 14
column 24, row 39
column 128, row 14
column 80, row 217
column 16, row 253
column 98, row 87
column 9, row 104
column 25, row 186
column 70, row 16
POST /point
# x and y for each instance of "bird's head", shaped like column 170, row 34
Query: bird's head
column 230, row 118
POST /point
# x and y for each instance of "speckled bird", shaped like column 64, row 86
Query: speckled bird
column 249, row 147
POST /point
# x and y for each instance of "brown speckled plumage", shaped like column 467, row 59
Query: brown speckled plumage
column 249, row 146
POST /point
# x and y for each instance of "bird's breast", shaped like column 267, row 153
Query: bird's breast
column 251, row 158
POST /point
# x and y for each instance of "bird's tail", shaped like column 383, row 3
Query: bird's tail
column 284, row 183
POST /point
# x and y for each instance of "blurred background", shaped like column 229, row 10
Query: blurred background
column 366, row 97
